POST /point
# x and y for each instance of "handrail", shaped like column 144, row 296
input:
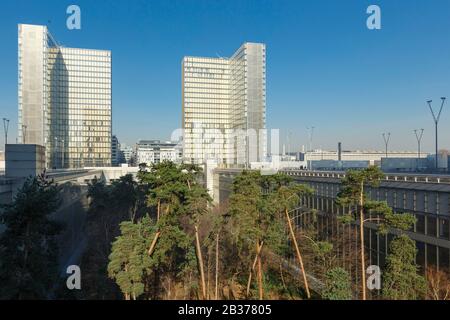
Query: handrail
column 415, row 178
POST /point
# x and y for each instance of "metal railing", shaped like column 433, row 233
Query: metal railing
column 405, row 177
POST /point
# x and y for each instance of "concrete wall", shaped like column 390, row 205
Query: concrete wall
column 23, row 160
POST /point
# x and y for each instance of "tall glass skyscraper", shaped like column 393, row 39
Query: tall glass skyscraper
column 64, row 100
column 224, row 107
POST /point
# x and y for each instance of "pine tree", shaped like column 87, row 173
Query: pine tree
column 28, row 248
column 285, row 199
column 337, row 285
column 401, row 278
column 353, row 195
column 129, row 264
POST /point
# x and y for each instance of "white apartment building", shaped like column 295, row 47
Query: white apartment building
column 155, row 151
column 224, row 107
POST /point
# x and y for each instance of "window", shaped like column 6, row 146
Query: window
column 444, row 259
column 420, row 258
column 444, row 228
column 431, row 226
column 382, row 243
column 431, row 255
column 420, row 223
column 415, row 201
column 404, row 200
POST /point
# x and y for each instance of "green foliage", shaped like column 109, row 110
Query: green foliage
column 257, row 207
column 337, row 285
column 354, row 183
column 324, row 247
column 174, row 192
column 245, row 204
column 346, row 219
column 381, row 212
column 401, row 278
column 129, row 264
column 28, row 248
column 109, row 205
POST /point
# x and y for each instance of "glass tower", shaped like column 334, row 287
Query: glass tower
column 224, row 106
column 64, row 100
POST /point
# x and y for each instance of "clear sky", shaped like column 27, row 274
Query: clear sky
column 324, row 67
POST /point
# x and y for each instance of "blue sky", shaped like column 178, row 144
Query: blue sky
column 324, row 67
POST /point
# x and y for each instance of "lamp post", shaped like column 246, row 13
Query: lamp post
column 386, row 138
column 62, row 154
column 55, row 153
column 436, row 119
column 419, row 140
column 6, row 127
column 310, row 134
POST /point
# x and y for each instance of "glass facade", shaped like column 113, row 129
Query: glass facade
column 73, row 100
column 223, row 107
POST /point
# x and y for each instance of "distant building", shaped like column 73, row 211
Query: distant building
column 64, row 100
column 126, row 154
column 2, row 162
column 155, row 151
column 335, row 165
column 373, row 157
column 115, row 151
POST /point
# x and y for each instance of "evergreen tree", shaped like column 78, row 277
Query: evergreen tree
column 283, row 200
column 337, row 285
column 129, row 264
column 353, row 195
column 401, row 278
column 28, row 248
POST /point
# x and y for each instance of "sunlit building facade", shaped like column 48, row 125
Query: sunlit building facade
column 223, row 107
column 64, row 100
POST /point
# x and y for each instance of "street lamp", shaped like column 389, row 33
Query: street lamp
column 419, row 139
column 6, row 127
column 310, row 134
column 436, row 119
column 386, row 138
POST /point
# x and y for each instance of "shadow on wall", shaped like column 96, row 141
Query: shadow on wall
column 72, row 214
column 59, row 114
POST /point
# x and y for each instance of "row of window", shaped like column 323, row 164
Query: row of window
column 431, row 225
column 377, row 245
column 82, row 76
column 212, row 95
column 80, row 85
column 429, row 202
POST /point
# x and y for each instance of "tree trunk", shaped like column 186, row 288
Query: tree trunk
column 216, row 289
column 260, row 285
column 299, row 256
column 258, row 250
column 153, row 245
column 200, row 262
column 361, row 237
column 159, row 210
column 208, row 275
